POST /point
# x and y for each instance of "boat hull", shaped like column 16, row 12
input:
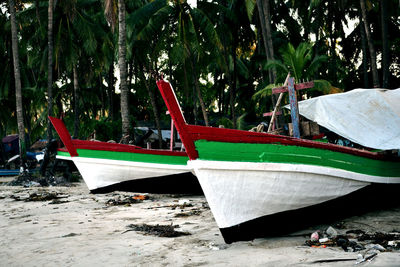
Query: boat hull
column 103, row 176
column 239, row 192
column 247, row 176
column 99, row 173
column 249, row 199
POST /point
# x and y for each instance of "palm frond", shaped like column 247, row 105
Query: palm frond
column 250, row 5
column 264, row 92
column 322, row 86
column 315, row 64
column 277, row 64
column 240, row 122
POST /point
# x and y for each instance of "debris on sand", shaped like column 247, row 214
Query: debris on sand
column 58, row 201
column 157, row 230
column 193, row 212
column 181, row 205
column 356, row 240
column 70, row 235
column 42, row 196
column 28, row 180
column 126, row 200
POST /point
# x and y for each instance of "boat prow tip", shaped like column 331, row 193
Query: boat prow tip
column 64, row 135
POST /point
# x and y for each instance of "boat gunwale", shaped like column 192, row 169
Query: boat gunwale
column 113, row 147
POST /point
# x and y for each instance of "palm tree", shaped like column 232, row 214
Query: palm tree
column 385, row 44
column 122, row 70
column 372, row 53
column 190, row 27
column 264, row 11
column 50, row 69
column 18, row 94
column 76, row 101
column 233, row 33
column 301, row 64
column 111, row 18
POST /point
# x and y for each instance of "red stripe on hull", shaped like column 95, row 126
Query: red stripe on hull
column 104, row 146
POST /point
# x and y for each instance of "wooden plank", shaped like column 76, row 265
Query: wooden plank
column 294, row 110
column 268, row 114
column 299, row 86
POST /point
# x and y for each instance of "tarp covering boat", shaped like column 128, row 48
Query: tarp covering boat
column 369, row 117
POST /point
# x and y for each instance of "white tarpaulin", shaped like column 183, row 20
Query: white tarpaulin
column 369, row 117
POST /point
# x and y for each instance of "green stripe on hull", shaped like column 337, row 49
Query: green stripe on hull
column 63, row 153
column 136, row 157
column 276, row 153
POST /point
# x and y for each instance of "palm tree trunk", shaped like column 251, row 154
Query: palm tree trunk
column 198, row 91
column 18, row 93
column 232, row 90
column 37, row 11
column 187, row 99
column 364, row 53
column 264, row 12
column 385, row 44
column 110, row 81
column 267, row 14
column 122, row 70
column 50, row 69
column 269, row 47
column 372, row 54
column 76, row 102
column 263, row 26
column 155, row 108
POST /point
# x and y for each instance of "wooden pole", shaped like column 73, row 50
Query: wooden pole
column 278, row 102
column 294, row 109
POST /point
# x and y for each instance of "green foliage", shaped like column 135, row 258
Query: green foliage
column 217, row 43
column 299, row 62
column 225, row 122
column 108, row 130
column 240, row 122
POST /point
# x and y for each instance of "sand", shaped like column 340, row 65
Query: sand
column 82, row 230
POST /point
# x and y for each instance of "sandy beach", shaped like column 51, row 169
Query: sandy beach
column 76, row 228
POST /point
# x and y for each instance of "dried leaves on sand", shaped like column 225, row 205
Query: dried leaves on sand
column 157, row 230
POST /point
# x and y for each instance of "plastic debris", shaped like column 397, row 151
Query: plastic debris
column 315, row 236
column 331, row 232
column 212, row 246
column 323, row 240
column 140, row 197
column 375, row 246
column 393, row 243
column 184, row 202
column 366, row 257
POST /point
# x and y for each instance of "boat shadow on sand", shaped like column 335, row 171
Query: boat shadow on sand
column 185, row 183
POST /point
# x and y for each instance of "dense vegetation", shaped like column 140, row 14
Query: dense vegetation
column 217, row 54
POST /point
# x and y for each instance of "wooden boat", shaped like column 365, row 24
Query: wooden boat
column 110, row 166
column 254, row 181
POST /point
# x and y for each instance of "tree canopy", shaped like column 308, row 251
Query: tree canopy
column 221, row 56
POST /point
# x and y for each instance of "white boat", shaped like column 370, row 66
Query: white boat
column 110, row 166
column 254, row 181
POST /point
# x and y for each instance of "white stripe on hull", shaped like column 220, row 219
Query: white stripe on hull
column 238, row 192
column 63, row 157
column 99, row 173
